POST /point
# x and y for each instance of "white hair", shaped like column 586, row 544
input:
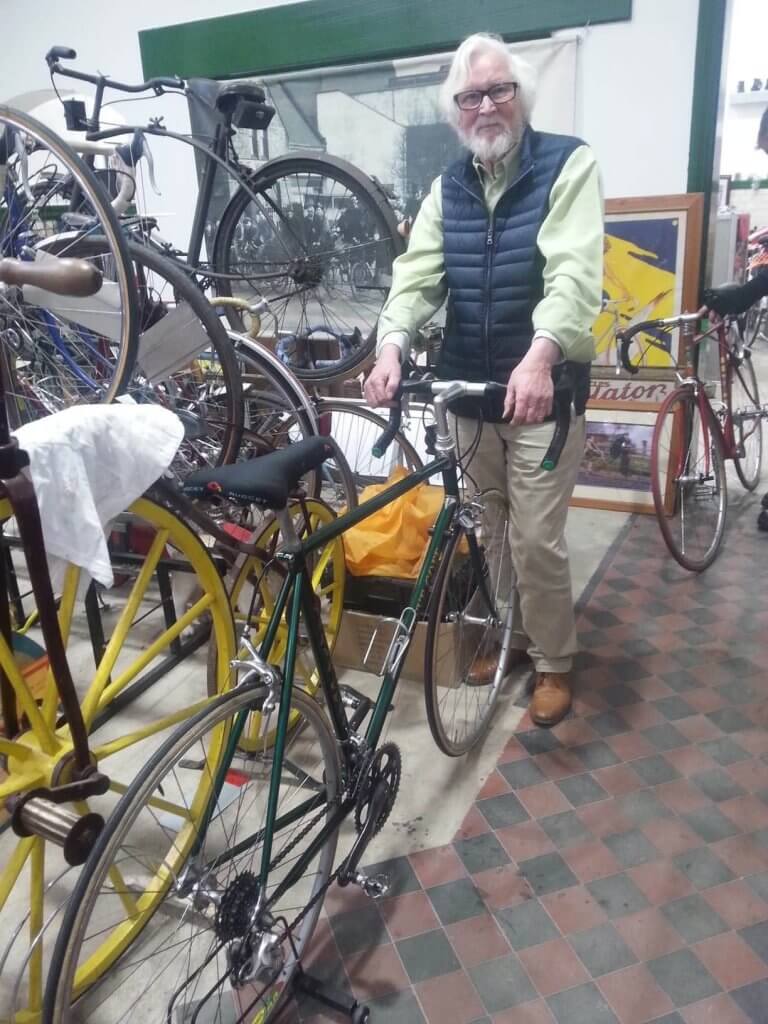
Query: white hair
column 520, row 71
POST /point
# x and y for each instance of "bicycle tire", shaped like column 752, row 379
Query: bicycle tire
column 206, row 394
column 110, row 355
column 287, row 252
column 745, row 411
column 683, row 482
column 126, row 823
column 459, row 635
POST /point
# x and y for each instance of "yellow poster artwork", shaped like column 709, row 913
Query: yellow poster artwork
column 641, row 280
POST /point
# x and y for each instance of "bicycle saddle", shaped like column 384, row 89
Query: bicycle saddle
column 267, row 480
column 735, row 299
column 245, row 105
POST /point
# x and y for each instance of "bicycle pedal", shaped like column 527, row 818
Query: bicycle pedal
column 374, row 886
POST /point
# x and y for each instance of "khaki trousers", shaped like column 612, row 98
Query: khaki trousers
column 508, row 458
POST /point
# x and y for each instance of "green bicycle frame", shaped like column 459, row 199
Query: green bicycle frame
column 297, row 596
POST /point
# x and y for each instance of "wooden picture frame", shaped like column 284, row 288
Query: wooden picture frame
column 615, row 472
column 652, row 259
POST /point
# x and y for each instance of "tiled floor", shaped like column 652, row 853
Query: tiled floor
column 615, row 869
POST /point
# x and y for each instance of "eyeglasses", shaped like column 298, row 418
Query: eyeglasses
column 501, row 92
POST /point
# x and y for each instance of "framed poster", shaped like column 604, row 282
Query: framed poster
column 615, row 472
column 652, row 254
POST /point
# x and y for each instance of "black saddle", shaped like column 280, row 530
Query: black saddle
column 244, row 104
column 268, row 480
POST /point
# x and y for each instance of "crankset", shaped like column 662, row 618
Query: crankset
column 376, row 795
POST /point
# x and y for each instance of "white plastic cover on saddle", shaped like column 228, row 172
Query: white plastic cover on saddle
column 88, row 464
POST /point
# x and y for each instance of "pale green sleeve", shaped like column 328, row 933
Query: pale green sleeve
column 418, row 277
column 571, row 242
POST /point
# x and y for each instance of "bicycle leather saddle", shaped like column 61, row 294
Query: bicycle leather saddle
column 735, row 299
column 244, row 104
column 267, row 480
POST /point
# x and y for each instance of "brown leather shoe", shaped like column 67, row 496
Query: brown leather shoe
column 551, row 700
column 483, row 669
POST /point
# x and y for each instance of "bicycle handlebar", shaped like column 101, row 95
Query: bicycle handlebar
column 452, row 389
column 157, row 85
column 624, row 337
column 63, row 276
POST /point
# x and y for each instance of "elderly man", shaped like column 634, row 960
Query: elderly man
column 512, row 236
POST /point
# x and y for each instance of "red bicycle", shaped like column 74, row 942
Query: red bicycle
column 699, row 426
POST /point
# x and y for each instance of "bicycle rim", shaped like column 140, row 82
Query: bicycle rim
column 198, row 927
column 462, row 635
column 322, row 323
column 688, row 480
column 746, row 416
column 92, row 341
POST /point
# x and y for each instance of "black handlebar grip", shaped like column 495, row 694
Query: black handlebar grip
column 624, row 339
column 395, row 417
column 562, row 403
column 60, row 53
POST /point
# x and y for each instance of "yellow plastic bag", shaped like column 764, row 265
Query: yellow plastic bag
column 393, row 541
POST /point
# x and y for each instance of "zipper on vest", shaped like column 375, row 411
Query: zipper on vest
column 488, row 264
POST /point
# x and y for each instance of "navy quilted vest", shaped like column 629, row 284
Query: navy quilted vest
column 493, row 266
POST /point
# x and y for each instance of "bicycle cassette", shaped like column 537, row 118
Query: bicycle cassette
column 383, row 770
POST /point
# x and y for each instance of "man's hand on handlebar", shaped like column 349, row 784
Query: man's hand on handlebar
column 384, row 379
column 530, row 389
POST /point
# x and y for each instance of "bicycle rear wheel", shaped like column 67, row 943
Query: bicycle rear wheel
column 320, row 321
column 59, row 350
column 467, row 642
column 200, row 929
column 747, row 417
column 688, row 479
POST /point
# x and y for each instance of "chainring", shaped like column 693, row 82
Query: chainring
column 385, row 767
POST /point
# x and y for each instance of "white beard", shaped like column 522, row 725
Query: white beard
column 491, row 150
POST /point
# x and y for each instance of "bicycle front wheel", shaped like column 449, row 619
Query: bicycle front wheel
column 747, row 417
column 59, row 351
column 688, row 479
column 205, row 923
column 311, row 217
column 469, row 628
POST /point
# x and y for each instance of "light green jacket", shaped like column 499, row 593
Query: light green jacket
column 570, row 241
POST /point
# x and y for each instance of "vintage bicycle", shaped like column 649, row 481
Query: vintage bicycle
column 699, row 426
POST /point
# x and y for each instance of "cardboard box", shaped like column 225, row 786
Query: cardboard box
column 357, row 629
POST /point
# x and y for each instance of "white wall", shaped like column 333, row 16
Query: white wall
column 635, row 95
column 634, row 83
column 747, row 60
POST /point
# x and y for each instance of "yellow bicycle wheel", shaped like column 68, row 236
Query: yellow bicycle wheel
column 257, row 585
column 137, row 656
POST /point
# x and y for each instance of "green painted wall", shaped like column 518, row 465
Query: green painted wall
column 319, row 33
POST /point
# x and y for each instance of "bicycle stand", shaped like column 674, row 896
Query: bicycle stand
column 333, row 998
